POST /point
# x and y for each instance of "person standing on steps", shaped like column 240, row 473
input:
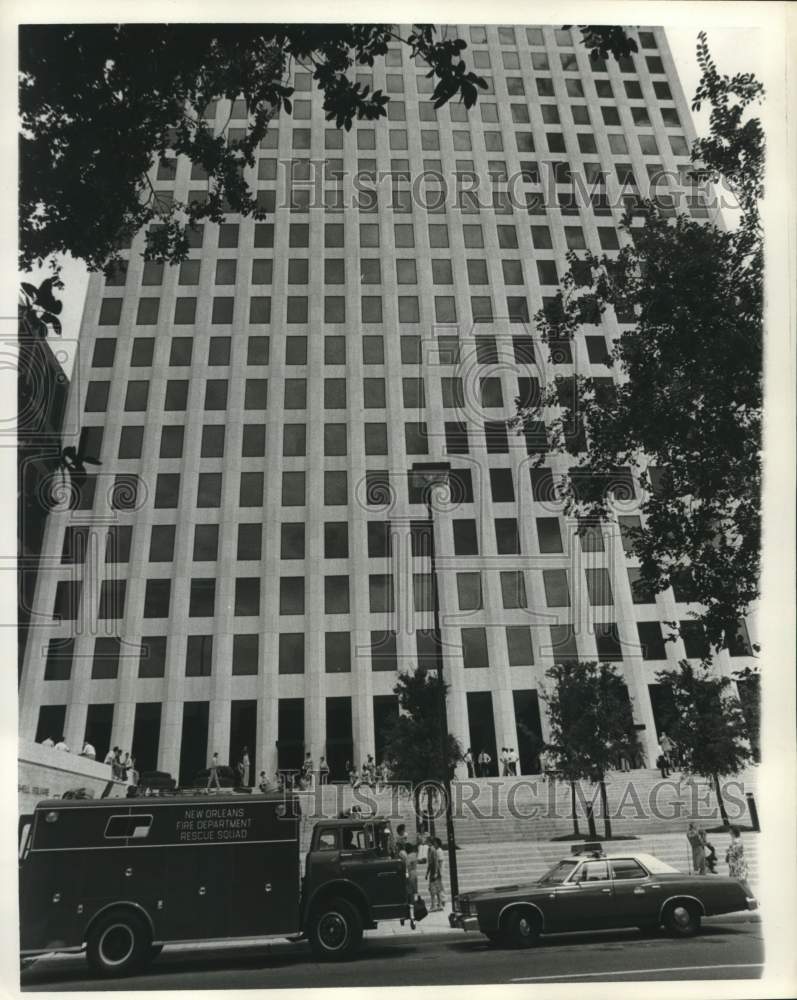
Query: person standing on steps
column 666, row 749
column 213, row 774
column 734, row 856
column 468, row 759
column 484, row 764
column 697, row 841
column 434, row 874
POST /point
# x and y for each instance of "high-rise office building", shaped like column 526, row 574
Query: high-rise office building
column 251, row 564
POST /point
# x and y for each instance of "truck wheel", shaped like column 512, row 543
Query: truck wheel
column 335, row 931
column 522, row 929
column 118, row 944
column 682, row 919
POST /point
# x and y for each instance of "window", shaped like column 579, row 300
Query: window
column 502, row 486
column 335, row 439
column 507, row 538
column 336, row 540
column 518, row 642
column 247, row 596
column 383, row 650
column 474, row 648
column 337, row 650
column 180, row 354
column 131, row 441
column 167, row 489
column 176, row 394
column 161, row 546
column 513, row 589
column 694, row 640
column 209, row 489
column 216, row 394
column 557, row 591
column 245, row 654
column 336, row 595
column 607, row 640
column 250, row 493
column 380, row 593
column 291, row 653
column 105, row 663
column 202, row 598
column 152, row 659
column 651, row 640
column 456, row 437
column 157, row 597
column 335, row 489
column 199, row 656
column 465, row 537
column 250, row 541
column 294, row 439
column 206, row 542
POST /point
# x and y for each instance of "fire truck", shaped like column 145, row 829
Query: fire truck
column 120, row 879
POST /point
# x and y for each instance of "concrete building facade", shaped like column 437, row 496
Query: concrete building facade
column 250, row 566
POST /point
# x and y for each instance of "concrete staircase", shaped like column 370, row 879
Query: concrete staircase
column 524, row 809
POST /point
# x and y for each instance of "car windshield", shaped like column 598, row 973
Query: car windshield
column 558, row 873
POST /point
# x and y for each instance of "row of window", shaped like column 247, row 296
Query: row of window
column 448, row 352
column 370, row 269
column 150, row 656
column 157, row 600
column 382, row 538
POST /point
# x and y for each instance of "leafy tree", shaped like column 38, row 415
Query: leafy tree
column 748, row 683
column 589, row 713
column 710, row 728
column 413, row 748
column 688, row 402
column 101, row 104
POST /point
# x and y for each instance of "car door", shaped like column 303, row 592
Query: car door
column 382, row 878
column 584, row 902
column 637, row 895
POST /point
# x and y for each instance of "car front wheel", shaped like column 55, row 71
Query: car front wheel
column 682, row 919
column 522, row 930
column 335, row 931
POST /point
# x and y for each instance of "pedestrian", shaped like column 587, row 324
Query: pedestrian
column 88, row 751
column 661, row 762
column 400, row 842
column 323, row 770
column 125, row 765
column 423, row 850
column 468, row 759
column 503, row 758
column 132, row 773
column 245, row 765
column 62, row 745
column 711, row 858
column 116, row 764
column 697, row 841
column 734, row 856
column 263, row 784
column 513, row 762
column 622, row 759
column 307, row 771
column 484, row 764
column 213, row 773
column 434, row 875
column 109, row 756
column 666, row 747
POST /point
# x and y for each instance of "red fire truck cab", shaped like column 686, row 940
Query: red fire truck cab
column 119, row 879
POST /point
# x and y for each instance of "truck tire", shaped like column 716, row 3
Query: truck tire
column 682, row 918
column 522, row 929
column 335, row 931
column 118, row 944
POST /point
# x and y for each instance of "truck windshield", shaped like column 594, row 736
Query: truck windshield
column 558, row 873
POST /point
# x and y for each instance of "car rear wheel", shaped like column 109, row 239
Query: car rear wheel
column 522, row 929
column 682, row 919
column 335, row 931
column 118, row 944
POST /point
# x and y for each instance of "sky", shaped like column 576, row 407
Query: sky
column 733, row 51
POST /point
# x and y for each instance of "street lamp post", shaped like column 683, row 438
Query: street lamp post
column 427, row 475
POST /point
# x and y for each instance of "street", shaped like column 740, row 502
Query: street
column 725, row 949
